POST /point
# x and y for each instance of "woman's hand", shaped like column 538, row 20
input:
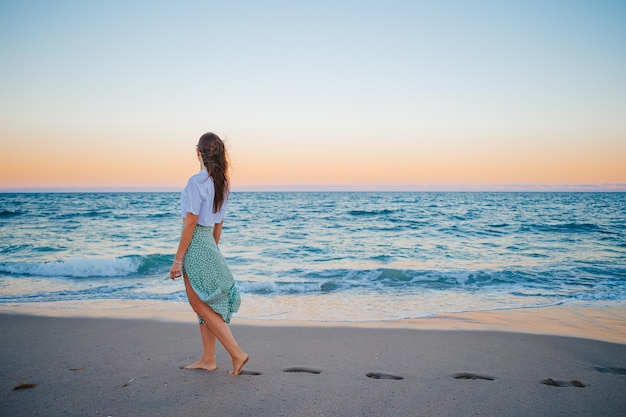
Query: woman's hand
column 176, row 271
column 190, row 222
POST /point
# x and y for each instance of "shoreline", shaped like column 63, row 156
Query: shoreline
column 605, row 322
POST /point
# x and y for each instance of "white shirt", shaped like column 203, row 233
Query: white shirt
column 197, row 198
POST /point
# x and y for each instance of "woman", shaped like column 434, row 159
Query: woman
column 210, row 285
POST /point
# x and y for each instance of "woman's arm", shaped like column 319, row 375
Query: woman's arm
column 185, row 239
column 217, row 232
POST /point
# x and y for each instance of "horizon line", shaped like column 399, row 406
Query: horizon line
column 603, row 187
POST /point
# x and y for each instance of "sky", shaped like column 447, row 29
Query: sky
column 366, row 95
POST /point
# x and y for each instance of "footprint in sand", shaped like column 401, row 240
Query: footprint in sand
column 252, row 373
column 243, row 372
column 381, row 375
column 611, row 370
column 555, row 383
column 468, row 375
column 304, row 370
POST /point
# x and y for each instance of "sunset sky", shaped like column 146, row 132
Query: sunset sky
column 314, row 94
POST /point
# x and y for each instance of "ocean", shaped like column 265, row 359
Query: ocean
column 323, row 256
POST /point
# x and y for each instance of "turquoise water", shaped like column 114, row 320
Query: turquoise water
column 343, row 256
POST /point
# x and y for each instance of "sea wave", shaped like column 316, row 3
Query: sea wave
column 610, row 285
column 10, row 213
column 94, row 214
column 133, row 265
column 102, row 292
column 383, row 212
column 584, row 282
column 564, row 228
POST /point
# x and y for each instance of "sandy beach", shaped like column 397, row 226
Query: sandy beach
column 129, row 367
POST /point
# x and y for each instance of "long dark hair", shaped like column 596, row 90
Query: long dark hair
column 215, row 160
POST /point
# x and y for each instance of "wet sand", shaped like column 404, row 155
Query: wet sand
column 129, row 367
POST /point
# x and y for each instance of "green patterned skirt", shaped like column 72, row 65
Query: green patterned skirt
column 209, row 276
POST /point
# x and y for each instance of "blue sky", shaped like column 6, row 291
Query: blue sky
column 315, row 93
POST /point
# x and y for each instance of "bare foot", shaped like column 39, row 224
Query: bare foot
column 203, row 364
column 238, row 365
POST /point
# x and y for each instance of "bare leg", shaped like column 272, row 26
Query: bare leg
column 216, row 325
column 207, row 361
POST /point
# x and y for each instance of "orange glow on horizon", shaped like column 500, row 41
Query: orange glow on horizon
column 473, row 162
column 110, row 161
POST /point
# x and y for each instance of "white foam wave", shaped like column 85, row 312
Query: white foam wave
column 75, row 267
column 273, row 287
